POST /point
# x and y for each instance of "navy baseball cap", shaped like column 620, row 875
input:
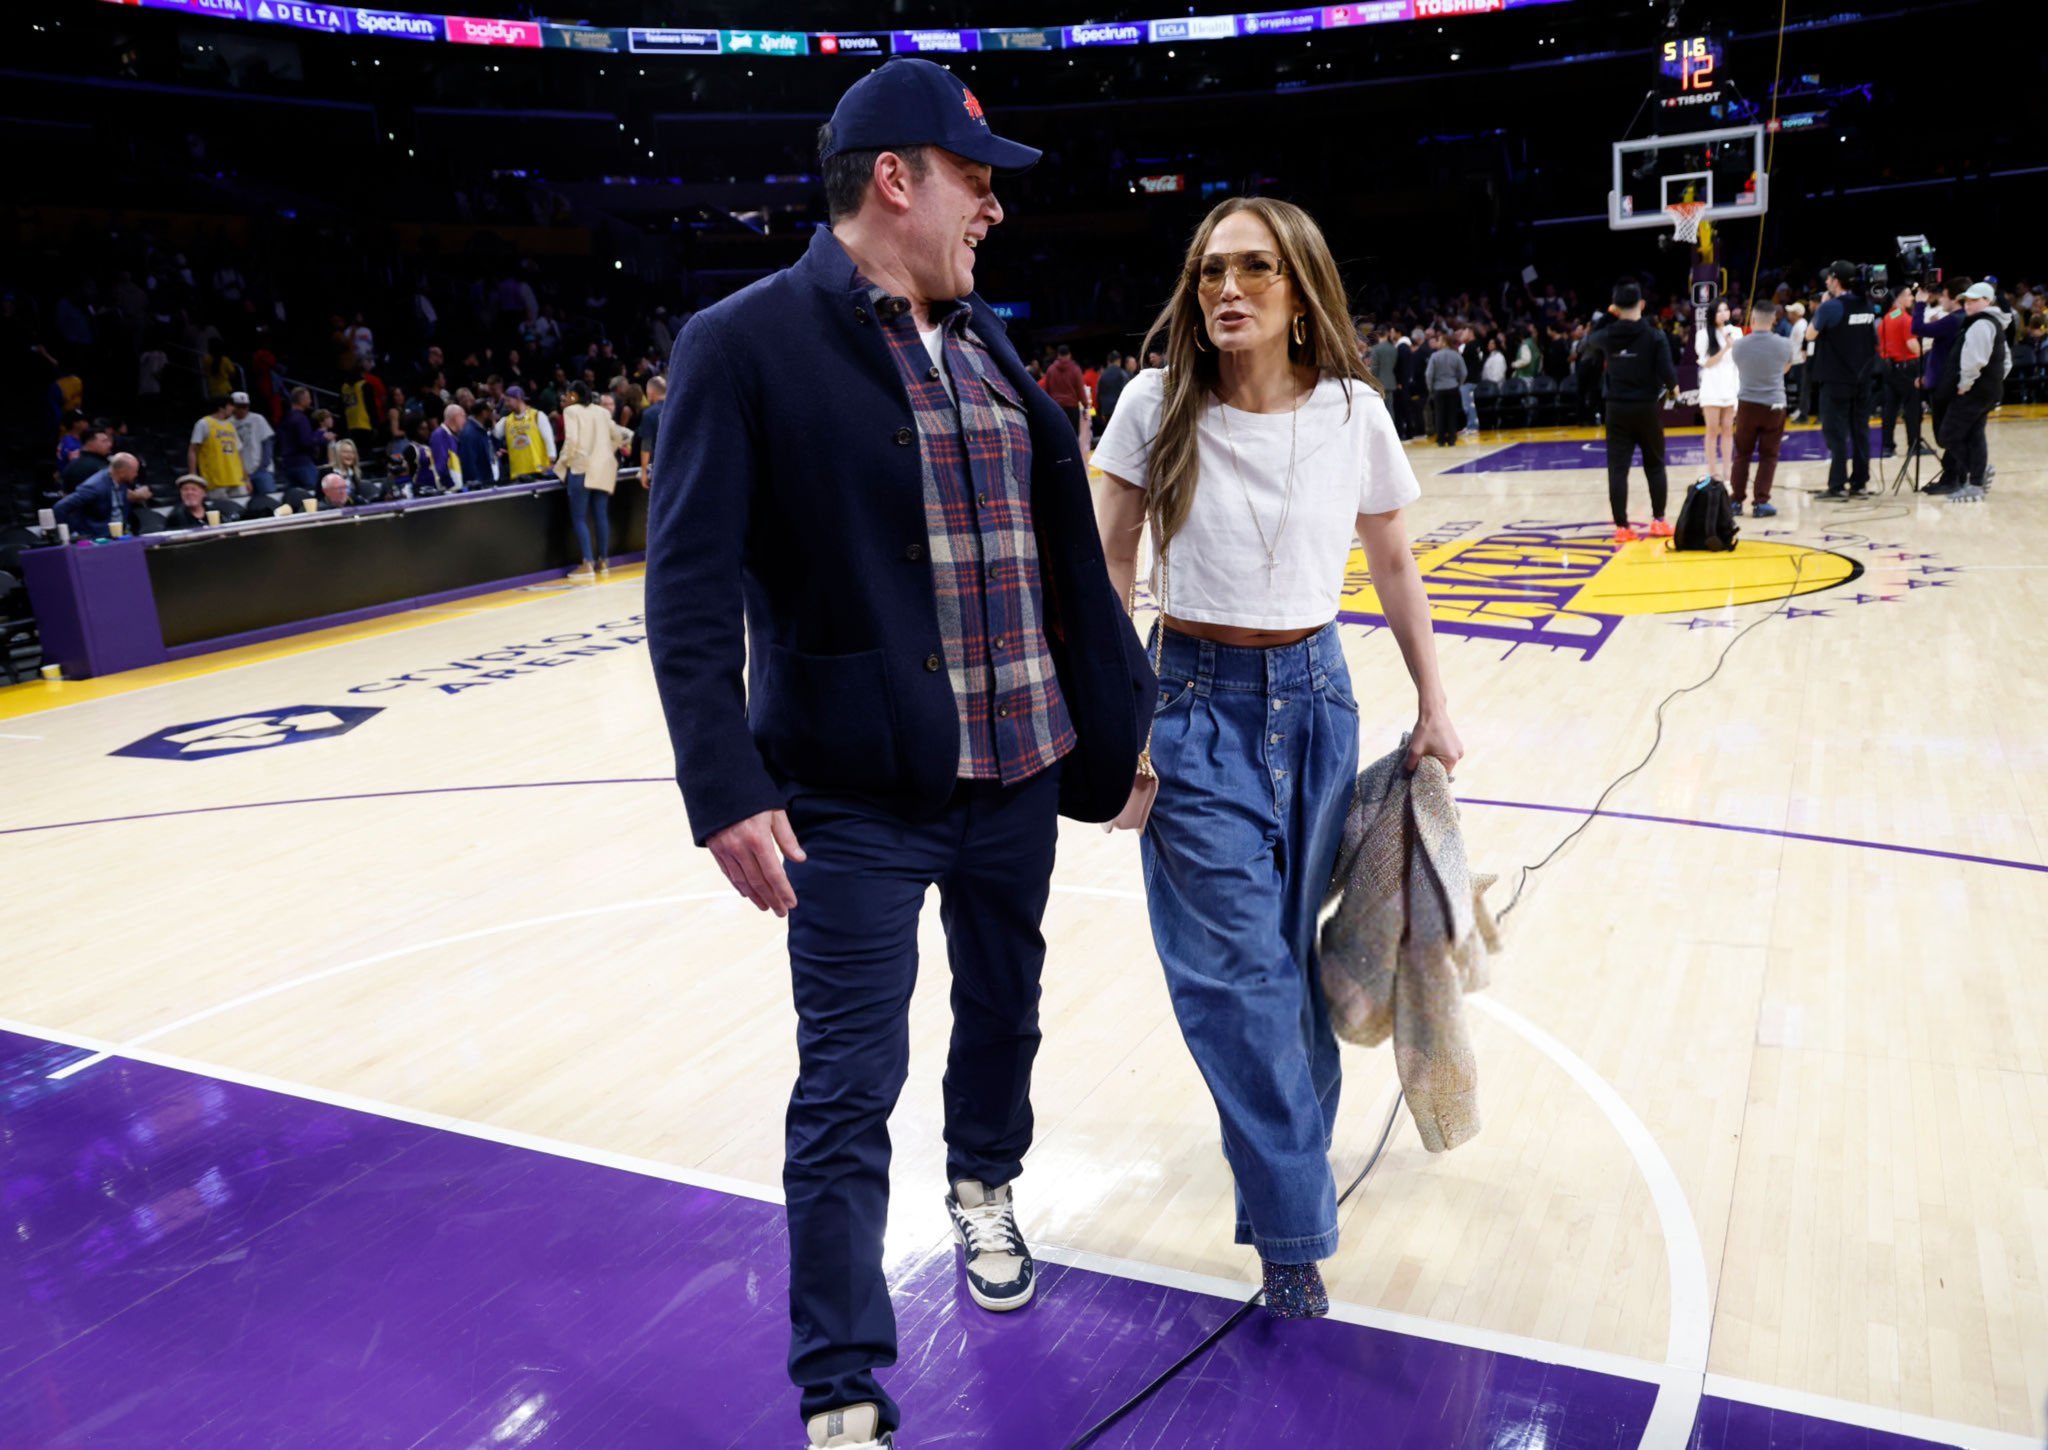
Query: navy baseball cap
column 911, row 102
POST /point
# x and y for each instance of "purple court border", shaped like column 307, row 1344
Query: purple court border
column 273, row 1261
column 316, row 800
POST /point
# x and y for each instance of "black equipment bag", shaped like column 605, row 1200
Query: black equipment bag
column 1706, row 520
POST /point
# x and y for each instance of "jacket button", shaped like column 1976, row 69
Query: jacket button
column 1002, row 712
column 931, row 663
column 931, row 374
column 860, row 315
column 914, row 553
column 903, row 437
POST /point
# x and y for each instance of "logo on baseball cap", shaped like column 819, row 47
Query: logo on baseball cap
column 911, row 102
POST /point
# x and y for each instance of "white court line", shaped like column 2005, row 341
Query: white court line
column 1685, row 1348
column 1971, row 1437
column 325, row 973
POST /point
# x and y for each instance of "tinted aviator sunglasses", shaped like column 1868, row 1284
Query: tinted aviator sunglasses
column 1256, row 271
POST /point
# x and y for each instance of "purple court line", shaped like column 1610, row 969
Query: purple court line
column 664, row 780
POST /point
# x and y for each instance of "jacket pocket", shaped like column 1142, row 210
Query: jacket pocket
column 826, row 720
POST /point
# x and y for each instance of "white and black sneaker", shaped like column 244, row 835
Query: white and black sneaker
column 1000, row 1274
column 854, row 1427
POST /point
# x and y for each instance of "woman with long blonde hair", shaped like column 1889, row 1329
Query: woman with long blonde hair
column 1256, row 455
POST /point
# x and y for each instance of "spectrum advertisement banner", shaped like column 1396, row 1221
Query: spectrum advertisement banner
column 1128, row 33
column 395, row 24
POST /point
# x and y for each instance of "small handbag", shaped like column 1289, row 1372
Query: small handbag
column 1145, row 788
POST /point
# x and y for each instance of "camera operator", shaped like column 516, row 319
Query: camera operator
column 1973, row 379
column 1844, row 337
column 1899, row 351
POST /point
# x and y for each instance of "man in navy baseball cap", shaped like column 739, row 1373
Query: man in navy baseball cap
column 857, row 479
column 912, row 102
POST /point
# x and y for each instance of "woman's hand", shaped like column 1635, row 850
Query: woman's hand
column 1434, row 734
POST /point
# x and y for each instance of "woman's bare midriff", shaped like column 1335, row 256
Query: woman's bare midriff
column 1230, row 634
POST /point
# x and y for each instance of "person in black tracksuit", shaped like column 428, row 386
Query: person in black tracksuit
column 1844, row 333
column 1414, row 367
column 1639, row 370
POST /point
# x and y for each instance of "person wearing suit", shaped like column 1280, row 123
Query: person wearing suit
column 898, row 542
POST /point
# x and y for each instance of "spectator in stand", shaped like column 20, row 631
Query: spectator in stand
column 220, row 372
column 650, row 428
column 1493, row 368
column 72, row 439
column 191, row 510
column 215, row 451
column 258, row 444
column 529, row 440
column 364, row 342
column 445, row 449
column 334, row 494
column 1445, row 375
column 1063, row 383
column 112, row 494
column 1109, row 386
column 299, row 444
column 343, row 459
column 94, row 449
column 1385, row 360
column 362, row 407
column 478, row 454
column 1528, row 355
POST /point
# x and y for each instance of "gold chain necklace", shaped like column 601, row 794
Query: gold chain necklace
column 1272, row 550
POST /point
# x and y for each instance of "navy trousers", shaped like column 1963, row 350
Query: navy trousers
column 1845, row 422
column 853, row 962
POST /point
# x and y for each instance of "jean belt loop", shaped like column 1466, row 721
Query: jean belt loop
column 1205, row 666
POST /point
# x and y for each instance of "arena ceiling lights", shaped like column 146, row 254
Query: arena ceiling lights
column 534, row 35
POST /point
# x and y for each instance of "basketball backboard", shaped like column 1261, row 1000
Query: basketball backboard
column 1722, row 169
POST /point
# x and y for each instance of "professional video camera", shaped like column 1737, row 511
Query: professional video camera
column 1913, row 265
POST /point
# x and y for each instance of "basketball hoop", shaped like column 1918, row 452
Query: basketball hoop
column 1685, row 219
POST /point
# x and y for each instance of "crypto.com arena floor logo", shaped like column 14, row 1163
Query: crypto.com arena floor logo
column 240, row 734
column 1569, row 586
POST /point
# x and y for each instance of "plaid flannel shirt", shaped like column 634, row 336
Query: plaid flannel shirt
column 976, row 458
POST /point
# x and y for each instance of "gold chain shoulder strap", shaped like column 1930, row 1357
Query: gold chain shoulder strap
column 1158, row 640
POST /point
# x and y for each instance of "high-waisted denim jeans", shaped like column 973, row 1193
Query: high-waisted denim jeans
column 1257, row 754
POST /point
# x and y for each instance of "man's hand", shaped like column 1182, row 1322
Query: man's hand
column 750, row 854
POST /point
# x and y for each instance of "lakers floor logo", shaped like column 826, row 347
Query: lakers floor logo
column 1569, row 586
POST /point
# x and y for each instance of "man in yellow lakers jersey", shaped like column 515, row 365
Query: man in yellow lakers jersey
column 529, row 441
column 362, row 409
column 215, row 453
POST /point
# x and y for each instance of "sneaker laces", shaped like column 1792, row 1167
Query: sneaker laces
column 991, row 1228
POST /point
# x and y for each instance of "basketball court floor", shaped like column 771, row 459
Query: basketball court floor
column 382, row 1066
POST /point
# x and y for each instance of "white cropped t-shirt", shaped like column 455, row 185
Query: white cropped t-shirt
column 1348, row 461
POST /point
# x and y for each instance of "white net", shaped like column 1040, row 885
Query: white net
column 1685, row 219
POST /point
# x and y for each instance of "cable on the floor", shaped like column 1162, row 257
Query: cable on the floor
column 1522, row 881
column 1215, row 1336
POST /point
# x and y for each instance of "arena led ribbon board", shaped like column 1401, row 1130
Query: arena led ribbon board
column 752, row 44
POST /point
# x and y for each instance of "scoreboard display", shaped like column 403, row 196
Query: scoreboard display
column 1691, row 71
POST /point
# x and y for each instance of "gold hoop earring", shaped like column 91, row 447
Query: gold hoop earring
column 1300, row 328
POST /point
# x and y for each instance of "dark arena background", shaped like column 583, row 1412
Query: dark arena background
column 383, row 1064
